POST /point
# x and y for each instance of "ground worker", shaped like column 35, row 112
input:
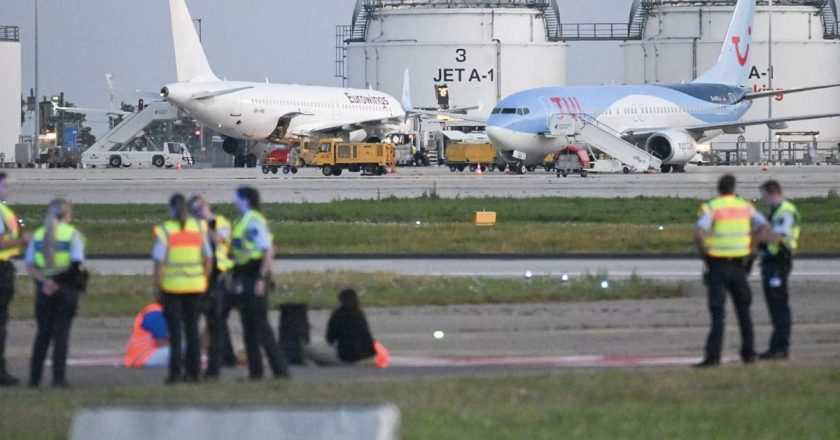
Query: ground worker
column 776, row 263
column 53, row 259
column 726, row 230
column 148, row 345
column 212, row 304
column 253, row 252
column 11, row 243
column 182, row 262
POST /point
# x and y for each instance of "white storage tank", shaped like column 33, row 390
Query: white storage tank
column 682, row 39
column 482, row 50
column 10, row 86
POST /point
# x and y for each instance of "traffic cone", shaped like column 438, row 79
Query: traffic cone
column 507, row 168
column 764, row 168
column 478, row 170
column 178, row 164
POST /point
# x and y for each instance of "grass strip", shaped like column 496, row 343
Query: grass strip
column 110, row 296
column 764, row 401
column 543, row 225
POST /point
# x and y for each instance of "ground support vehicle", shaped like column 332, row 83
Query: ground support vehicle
column 172, row 154
column 284, row 159
column 334, row 156
column 462, row 155
column 571, row 159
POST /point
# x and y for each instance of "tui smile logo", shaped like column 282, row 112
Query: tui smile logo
column 736, row 40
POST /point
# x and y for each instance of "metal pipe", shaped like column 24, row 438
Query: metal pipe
column 770, row 74
column 36, row 141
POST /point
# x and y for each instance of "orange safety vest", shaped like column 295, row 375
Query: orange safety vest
column 141, row 345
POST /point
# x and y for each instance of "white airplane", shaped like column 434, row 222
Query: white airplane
column 110, row 111
column 252, row 111
column 668, row 120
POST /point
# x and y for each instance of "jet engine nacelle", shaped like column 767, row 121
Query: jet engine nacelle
column 672, row 146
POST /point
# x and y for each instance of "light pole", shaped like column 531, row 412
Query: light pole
column 36, row 141
column 770, row 74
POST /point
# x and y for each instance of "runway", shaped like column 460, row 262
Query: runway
column 155, row 185
column 661, row 269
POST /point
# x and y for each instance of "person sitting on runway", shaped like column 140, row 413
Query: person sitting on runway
column 148, row 345
column 348, row 338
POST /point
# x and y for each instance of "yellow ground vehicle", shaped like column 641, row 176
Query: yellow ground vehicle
column 334, row 155
column 461, row 155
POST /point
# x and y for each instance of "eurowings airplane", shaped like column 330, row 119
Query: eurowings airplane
column 666, row 120
column 251, row 111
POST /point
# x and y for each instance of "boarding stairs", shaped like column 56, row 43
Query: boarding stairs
column 131, row 127
column 582, row 128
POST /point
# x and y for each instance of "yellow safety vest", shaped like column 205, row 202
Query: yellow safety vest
column 10, row 220
column 183, row 266
column 791, row 241
column 64, row 234
column 731, row 232
column 223, row 261
column 244, row 249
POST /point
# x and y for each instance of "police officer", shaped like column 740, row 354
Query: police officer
column 253, row 253
column 183, row 259
column 212, row 304
column 11, row 243
column 53, row 260
column 726, row 230
column 776, row 263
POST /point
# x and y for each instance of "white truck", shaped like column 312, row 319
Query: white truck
column 170, row 155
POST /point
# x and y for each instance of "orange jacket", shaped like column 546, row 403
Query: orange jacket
column 141, row 345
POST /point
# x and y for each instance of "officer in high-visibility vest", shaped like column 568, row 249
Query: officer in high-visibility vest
column 776, row 263
column 12, row 240
column 726, row 230
column 183, row 261
column 148, row 345
column 216, row 301
column 253, row 253
column 53, row 259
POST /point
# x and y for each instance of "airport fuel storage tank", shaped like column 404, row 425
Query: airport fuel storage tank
column 481, row 50
column 681, row 39
column 10, row 86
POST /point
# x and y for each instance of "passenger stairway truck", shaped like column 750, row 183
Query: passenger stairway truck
column 460, row 155
column 334, row 156
column 132, row 126
column 172, row 154
column 584, row 128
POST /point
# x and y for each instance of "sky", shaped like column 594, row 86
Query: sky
column 283, row 40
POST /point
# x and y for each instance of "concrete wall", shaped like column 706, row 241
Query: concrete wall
column 10, row 88
column 682, row 42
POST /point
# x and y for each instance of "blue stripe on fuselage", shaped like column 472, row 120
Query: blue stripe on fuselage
column 715, row 101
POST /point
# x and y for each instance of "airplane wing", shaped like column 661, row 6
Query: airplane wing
column 413, row 112
column 329, row 126
column 734, row 127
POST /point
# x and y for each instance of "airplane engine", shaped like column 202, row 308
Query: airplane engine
column 232, row 146
column 674, row 147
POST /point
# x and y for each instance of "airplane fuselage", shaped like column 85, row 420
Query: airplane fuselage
column 521, row 121
column 257, row 110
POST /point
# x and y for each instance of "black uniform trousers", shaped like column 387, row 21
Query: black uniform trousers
column 7, row 292
column 211, row 308
column 181, row 312
column 229, row 301
column 54, row 315
column 774, row 278
column 731, row 275
column 257, row 332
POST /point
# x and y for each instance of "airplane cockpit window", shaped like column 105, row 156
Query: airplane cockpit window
column 508, row 111
column 496, row 111
column 523, row 111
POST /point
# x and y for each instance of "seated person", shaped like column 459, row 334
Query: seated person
column 148, row 345
column 348, row 335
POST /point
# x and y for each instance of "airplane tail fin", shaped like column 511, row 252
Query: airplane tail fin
column 406, row 91
column 190, row 60
column 732, row 66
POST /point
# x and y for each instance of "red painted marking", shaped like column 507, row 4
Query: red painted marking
column 559, row 105
column 742, row 59
column 577, row 104
column 568, row 105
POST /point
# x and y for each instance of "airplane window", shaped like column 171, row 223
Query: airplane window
column 496, row 111
column 508, row 111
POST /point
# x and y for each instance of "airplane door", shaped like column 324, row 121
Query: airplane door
column 236, row 110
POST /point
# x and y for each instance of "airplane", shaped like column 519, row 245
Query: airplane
column 667, row 120
column 110, row 111
column 265, row 112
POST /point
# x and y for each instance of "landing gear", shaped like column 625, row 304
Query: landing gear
column 251, row 160
column 239, row 161
column 666, row 168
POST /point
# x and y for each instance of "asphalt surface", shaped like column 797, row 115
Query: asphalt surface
column 823, row 269
column 542, row 338
column 309, row 185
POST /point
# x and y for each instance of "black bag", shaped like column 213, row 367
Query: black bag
column 293, row 331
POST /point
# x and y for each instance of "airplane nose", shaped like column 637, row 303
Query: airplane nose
column 501, row 137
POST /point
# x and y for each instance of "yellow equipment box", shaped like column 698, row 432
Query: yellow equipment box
column 484, row 218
